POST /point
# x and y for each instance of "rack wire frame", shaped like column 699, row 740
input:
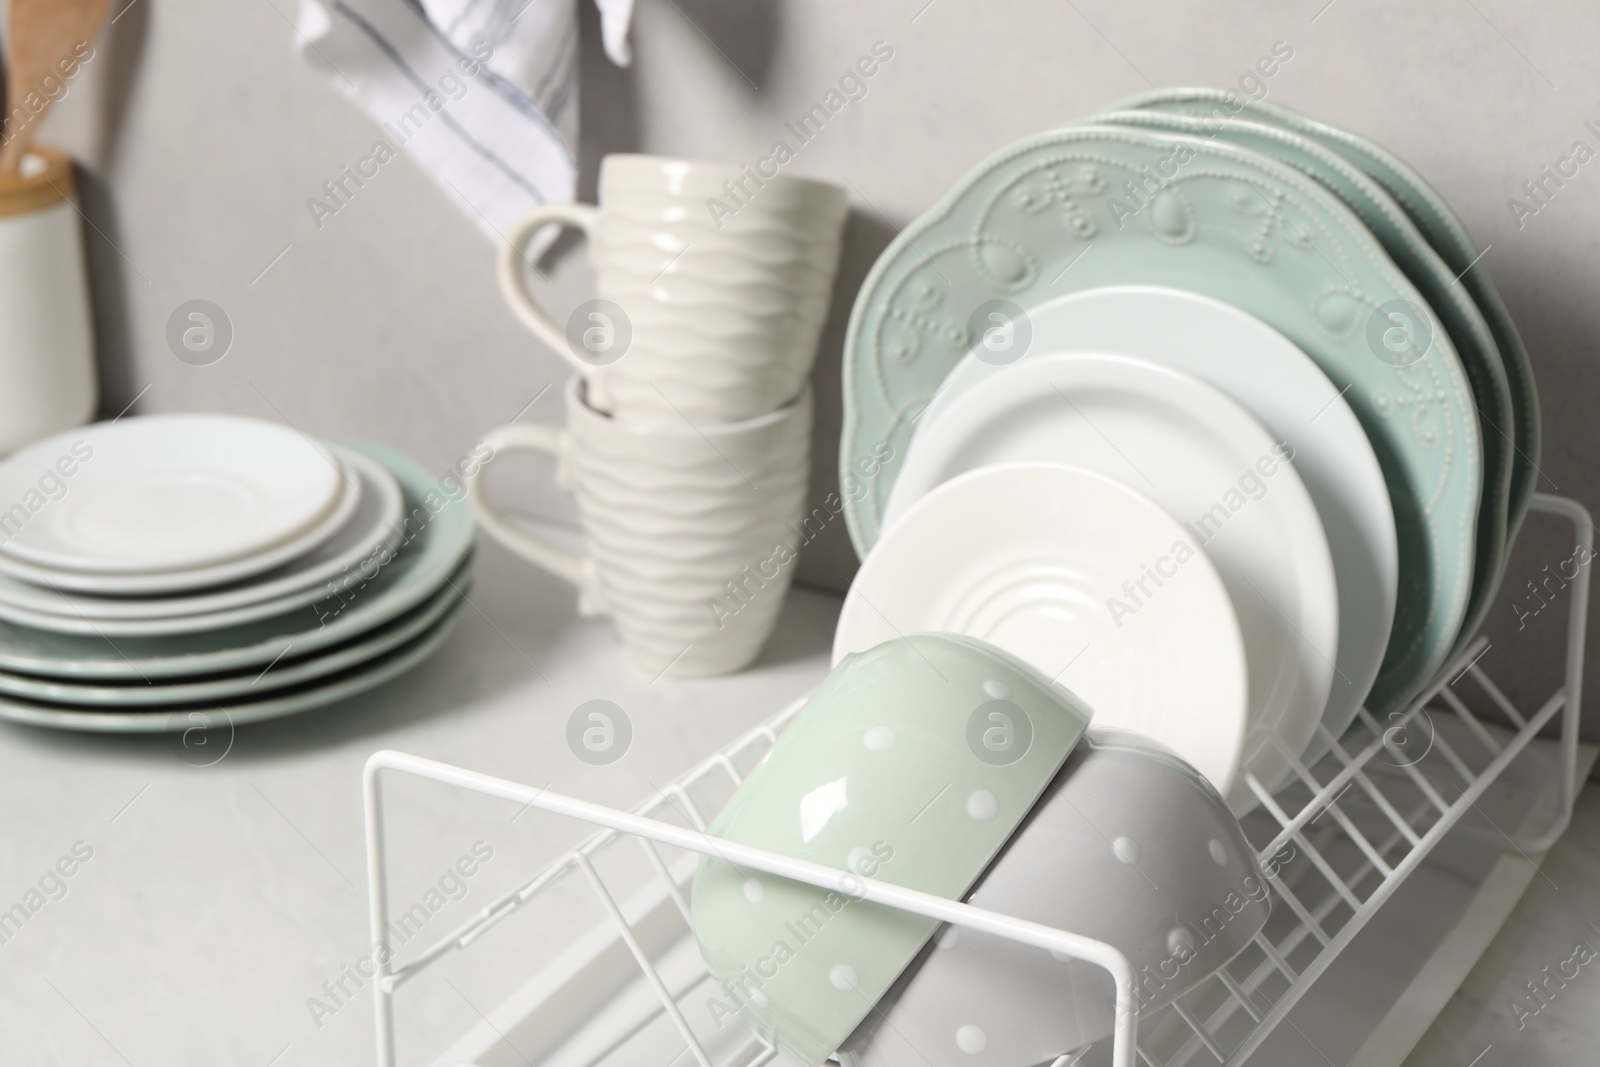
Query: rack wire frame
column 1356, row 860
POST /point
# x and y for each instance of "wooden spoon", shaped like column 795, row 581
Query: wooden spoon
column 43, row 33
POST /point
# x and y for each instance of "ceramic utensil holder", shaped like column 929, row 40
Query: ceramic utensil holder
column 47, row 369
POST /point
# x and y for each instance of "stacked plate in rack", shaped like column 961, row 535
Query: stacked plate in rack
column 158, row 570
column 1198, row 373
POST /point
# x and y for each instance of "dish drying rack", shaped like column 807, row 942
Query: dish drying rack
column 1362, row 820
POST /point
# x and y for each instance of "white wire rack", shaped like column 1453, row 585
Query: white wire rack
column 1336, row 842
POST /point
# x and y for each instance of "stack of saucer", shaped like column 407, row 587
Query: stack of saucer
column 155, row 567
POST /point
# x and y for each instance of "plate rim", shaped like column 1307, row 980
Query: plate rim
column 357, row 650
column 10, row 550
column 1327, row 423
column 1444, row 231
column 355, row 680
column 418, row 483
column 1498, row 520
column 1306, row 558
column 174, row 581
column 294, row 586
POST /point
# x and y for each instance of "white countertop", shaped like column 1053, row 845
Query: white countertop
column 216, row 901
column 1493, row 1020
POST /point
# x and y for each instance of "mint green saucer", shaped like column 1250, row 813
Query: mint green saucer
column 253, row 682
column 214, row 718
column 1091, row 206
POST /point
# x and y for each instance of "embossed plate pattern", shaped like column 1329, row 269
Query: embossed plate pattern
column 1092, row 206
column 1444, row 232
column 1508, row 477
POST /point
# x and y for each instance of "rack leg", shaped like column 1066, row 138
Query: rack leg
column 1572, row 686
column 1577, row 633
column 378, row 918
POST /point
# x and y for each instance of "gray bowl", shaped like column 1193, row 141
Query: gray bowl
column 1129, row 845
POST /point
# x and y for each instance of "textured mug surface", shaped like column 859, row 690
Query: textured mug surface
column 1129, row 845
column 713, row 286
column 689, row 535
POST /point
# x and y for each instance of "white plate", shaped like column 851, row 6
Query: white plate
column 1233, row 225
column 161, row 493
column 1027, row 556
column 168, row 582
column 374, row 528
column 1205, row 460
column 1285, row 390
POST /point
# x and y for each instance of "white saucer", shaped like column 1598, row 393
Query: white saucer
column 1205, row 460
column 1287, row 392
column 1028, row 557
column 438, row 535
column 178, row 581
column 161, row 493
column 372, row 531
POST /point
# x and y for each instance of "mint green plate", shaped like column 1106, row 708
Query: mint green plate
column 1064, row 211
column 1474, row 342
column 253, row 682
column 209, row 721
column 1444, row 231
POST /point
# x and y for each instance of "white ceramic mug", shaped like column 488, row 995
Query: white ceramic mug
column 47, row 370
column 712, row 284
column 690, row 534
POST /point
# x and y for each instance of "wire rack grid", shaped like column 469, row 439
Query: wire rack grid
column 1362, row 820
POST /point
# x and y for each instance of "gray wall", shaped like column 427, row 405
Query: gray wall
column 202, row 136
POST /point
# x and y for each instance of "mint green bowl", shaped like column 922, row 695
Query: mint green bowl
column 913, row 763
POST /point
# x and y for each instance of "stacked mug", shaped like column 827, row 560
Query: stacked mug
column 688, row 435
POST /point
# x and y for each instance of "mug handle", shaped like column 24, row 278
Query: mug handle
column 550, row 441
column 512, row 257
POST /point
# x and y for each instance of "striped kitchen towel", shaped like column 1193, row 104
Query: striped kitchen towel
column 481, row 93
